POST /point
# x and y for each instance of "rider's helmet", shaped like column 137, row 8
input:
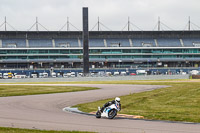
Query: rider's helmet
column 117, row 99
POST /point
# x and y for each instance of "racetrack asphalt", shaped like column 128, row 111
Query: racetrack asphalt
column 45, row 112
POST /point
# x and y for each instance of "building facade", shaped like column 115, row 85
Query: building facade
column 107, row 49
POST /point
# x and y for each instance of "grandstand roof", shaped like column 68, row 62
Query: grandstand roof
column 99, row 34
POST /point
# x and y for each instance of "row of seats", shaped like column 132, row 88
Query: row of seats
column 187, row 42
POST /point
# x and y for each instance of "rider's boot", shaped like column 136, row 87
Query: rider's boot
column 101, row 110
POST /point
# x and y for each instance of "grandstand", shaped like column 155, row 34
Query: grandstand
column 108, row 49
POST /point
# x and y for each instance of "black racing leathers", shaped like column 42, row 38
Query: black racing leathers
column 108, row 104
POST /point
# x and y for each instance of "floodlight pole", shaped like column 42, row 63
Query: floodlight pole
column 67, row 23
column 36, row 24
column 98, row 24
column 158, row 23
column 128, row 24
column 5, row 24
column 189, row 24
column 85, row 42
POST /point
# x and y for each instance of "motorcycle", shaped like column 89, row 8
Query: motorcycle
column 109, row 112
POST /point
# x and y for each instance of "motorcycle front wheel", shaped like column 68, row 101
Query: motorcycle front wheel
column 98, row 114
column 112, row 113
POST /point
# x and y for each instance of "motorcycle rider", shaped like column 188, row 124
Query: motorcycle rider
column 116, row 101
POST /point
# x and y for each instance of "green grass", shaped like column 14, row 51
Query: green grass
column 17, row 130
column 19, row 90
column 180, row 102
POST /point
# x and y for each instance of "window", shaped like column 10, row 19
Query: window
column 11, row 45
column 126, row 50
column 64, row 45
column 115, row 44
column 146, row 51
column 64, row 51
column 3, row 52
column 53, row 51
column 43, row 51
column 196, row 44
column 147, row 44
column 115, row 51
column 75, row 51
column 94, row 51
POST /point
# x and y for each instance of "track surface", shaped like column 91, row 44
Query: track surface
column 45, row 112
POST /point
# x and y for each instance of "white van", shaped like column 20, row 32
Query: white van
column 20, row 76
column 141, row 72
column 66, row 75
column 53, row 75
column 80, row 74
column 41, row 75
column 45, row 75
column 194, row 72
column 108, row 73
column 116, row 73
column 59, row 75
column 5, row 75
column 123, row 73
column 73, row 74
column 33, row 75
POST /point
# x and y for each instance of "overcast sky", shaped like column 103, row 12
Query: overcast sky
column 52, row 14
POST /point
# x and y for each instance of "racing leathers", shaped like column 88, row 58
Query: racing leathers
column 108, row 104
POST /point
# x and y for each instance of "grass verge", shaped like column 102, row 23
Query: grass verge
column 180, row 102
column 19, row 90
column 17, row 130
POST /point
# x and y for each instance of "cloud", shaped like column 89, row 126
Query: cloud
column 113, row 13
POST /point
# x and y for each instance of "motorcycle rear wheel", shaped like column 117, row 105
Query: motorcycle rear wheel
column 112, row 113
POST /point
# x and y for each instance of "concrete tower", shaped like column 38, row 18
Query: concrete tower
column 85, row 42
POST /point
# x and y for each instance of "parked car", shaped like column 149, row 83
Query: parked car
column 43, row 75
column 183, row 73
column 10, row 75
column 132, row 73
column 80, row 74
column 34, row 75
column 66, row 75
column 60, row 74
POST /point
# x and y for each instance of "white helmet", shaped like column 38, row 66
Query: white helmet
column 117, row 99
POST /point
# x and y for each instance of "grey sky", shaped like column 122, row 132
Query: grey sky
column 53, row 14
